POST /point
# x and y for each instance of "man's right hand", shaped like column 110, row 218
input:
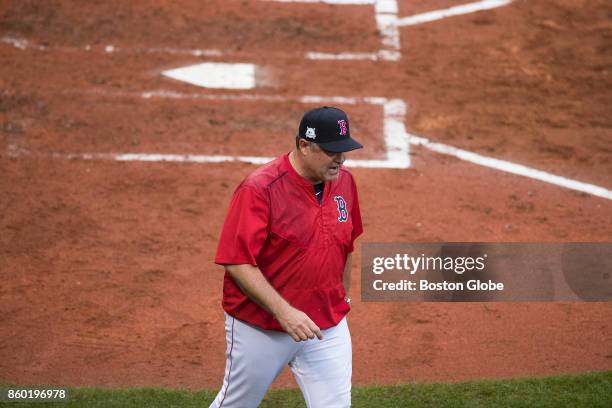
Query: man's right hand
column 297, row 324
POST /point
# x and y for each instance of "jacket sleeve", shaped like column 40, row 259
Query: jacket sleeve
column 356, row 218
column 245, row 229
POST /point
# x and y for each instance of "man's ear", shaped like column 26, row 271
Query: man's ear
column 302, row 145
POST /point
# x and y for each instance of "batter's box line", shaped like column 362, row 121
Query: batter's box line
column 397, row 140
column 385, row 17
column 512, row 168
column 397, row 155
column 388, row 23
column 385, row 13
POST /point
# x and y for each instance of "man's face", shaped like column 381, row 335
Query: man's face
column 322, row 164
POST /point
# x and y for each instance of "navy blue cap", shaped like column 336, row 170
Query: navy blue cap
column 329, row 128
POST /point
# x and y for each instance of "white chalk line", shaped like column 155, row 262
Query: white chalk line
column 512, row 168
column 385, row 12
column 397, row 139
column 451, row 12
column 395, row 136
column 386, row 19
column 25, row 44
column 166, row 94
column 338, row 2
column 343, row 56
column 186, row 158
column 465, row 155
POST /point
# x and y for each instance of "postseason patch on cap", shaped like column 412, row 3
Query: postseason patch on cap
column 310, row 133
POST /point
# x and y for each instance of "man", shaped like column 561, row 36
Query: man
column 286, row 247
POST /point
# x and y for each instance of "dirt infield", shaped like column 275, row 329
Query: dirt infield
column 107, row 272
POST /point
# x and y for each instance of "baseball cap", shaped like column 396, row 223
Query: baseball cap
column 329, row 128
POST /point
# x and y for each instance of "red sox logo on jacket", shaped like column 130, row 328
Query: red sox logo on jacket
column 342, row 213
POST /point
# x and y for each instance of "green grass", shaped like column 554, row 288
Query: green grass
column 585, row 390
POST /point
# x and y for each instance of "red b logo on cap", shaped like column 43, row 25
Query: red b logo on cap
column 342, row 124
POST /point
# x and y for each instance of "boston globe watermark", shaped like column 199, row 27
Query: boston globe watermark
column 483, row 272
